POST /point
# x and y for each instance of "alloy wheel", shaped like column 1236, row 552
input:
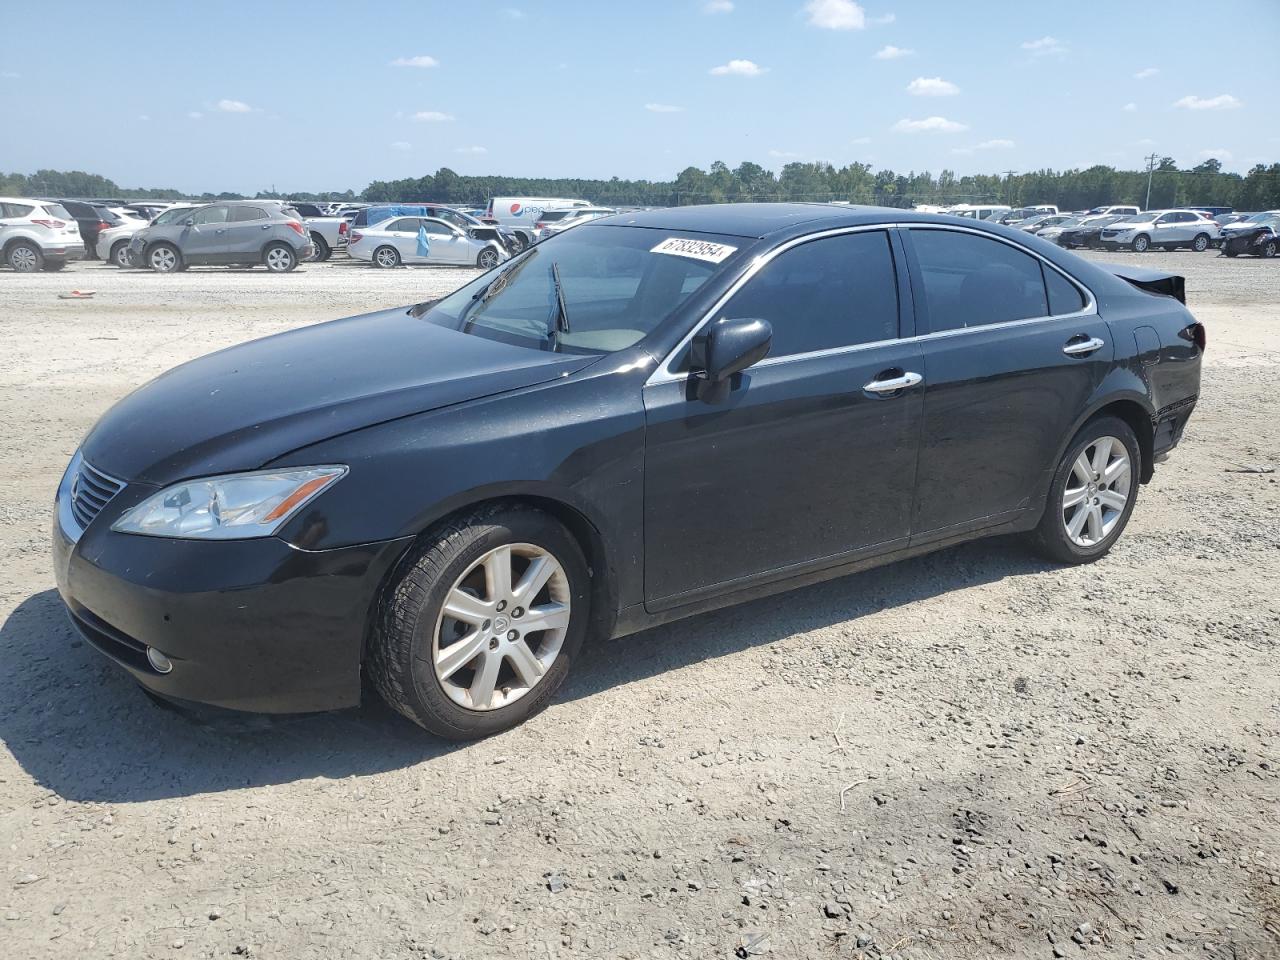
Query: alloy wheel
column 488, row 259
column 501, row 627
column 279, row 259
column 1200, row 244
column 23, row 259
column 387, row 257
column 1097, row 491
column 163, row 259
column 121, row 255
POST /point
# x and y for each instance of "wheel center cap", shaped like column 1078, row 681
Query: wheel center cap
column 500, row 624
column 1093, row 488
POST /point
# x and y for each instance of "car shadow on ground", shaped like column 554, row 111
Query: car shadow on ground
column 83, row 729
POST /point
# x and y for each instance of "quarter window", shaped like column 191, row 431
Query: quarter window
column 1064, row 296
column 245, row 214
column 970, row 280
column 835, row 292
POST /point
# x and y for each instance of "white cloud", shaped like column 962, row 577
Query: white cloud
column 473, row 150
column 929, row 125
column 860, row 140
column 932, row 87
column 432, row 116
column 836, row 14
column 402, row 146
column 1045, row 47
column 783, row 154
column 1130, row 108
column 884, row 19
column 891, row 52
column 422, row 61
column 1224, row 101
column 663, row 108
column 195, row 114
column 738, row 68
column 1215, row 153
column 718, row 6
column 234, row 106
column 1148, row 72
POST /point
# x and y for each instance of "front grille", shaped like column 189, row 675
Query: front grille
column 90, row 492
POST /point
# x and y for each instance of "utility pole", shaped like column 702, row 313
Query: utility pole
column 1008, row 188
column 1151, row 166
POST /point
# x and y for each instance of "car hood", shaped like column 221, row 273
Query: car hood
column 240, row 408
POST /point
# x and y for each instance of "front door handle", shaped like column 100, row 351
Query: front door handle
column 1080, row 348
column 894, row 384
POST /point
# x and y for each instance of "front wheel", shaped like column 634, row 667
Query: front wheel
column 1269, row 249
column 279, row 258
column 488, row 259
column 386, row 257
column 1140, row 243
column 481, row 625
column 1201, row 243
column 1230, row 251
column 518, row 243
column 1092, row 494
column 164, row 258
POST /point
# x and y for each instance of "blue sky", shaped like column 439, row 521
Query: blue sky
column 324, row 95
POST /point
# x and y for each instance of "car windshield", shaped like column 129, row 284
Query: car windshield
column 617, row 283
column 1260, row 217
column 172, row 214
column 1070, row 222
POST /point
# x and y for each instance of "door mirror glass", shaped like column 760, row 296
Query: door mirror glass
column 728, row 347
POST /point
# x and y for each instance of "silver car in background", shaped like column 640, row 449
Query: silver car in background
column 1167, row 229
column 430, row 240
column 558, row 221
column 231, row 233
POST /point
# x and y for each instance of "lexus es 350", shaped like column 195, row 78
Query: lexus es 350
column 643, row 418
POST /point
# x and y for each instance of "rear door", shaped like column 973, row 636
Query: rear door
column 248, row 230
column 803, row 465
column 1013, row 350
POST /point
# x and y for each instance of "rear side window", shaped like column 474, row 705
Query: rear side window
column 404, row 223
column 835, row 292
column 1064, row 296
column 57, row 210
column 244, row 214
column 970, row 280
column 24, row 210
column 439, row 229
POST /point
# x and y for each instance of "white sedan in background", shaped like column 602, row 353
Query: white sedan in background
column 399, row 240
column 113, row 244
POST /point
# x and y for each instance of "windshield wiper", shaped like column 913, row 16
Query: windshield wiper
column 562, row 312
column 492, row 288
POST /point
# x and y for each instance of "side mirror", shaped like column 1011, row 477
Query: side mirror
column 727, row 347
column 190, row 221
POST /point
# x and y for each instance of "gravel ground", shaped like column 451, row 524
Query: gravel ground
column 971, row 754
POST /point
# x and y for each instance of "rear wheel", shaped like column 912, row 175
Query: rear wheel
column 483, row 622
column 488, row 259
column 1230, row 251
column 164, row 258
column 1201, row 243
column 25, row 257
column 120, row 253
column 321, row 249
column 386, row 257
column 279, row 257
column 1140, row 243
column 1093, row 493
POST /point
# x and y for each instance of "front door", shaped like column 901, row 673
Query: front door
column 1013, row 352
column 206, row 238
column 810, row 460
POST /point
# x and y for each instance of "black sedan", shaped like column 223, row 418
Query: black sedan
column 647, row 417
column 1087, row 234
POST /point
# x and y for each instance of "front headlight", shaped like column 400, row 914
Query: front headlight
column 232, row 507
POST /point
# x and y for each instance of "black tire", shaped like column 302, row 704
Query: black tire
column 120, row 254
column 322, row 251
column 160, row 263
column 1141, row 243
column 24, row 257
column 1230, row 251
column 1269, row 249
column 1201, row 243
column 488, row 258
column 53, row 266
column 519, row 242
column 400, row 652
column 1050, row 538
column 279, row 257
column 386, row 257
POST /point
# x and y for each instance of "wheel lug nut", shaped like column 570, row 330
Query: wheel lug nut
column 502, row 605
column 513, row 634
column 486, row 625
column 518, row 612
column 493, row 643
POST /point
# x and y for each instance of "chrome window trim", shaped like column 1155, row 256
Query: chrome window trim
column 664, row 373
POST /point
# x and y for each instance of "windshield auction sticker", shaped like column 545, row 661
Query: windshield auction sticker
column 698, row 249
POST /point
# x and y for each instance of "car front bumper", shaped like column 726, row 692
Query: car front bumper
column 256, row 625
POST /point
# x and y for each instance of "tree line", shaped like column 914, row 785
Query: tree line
column 1202, row 185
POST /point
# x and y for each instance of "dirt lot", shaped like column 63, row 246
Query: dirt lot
column 967, row 755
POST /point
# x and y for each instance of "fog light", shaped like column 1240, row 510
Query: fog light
column 158, row 660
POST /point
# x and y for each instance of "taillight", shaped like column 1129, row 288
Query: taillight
column 51, row 224
column 539, row 225
column 342, row 228
column 1195, row 333
column 356, row 237
column 296, row 227
column 103, row 225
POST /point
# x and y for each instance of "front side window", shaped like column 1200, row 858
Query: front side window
column 211, row 215
column 176, row 213
column 616, row 285
column 835, row 292
column 970, row 280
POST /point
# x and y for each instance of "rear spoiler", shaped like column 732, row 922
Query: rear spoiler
column 1153, row 281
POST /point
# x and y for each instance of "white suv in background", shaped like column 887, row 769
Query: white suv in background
column 37, row 235
column 1167, row 229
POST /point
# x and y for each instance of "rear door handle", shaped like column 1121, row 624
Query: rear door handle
column 893, row 384
column 1078, row 348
